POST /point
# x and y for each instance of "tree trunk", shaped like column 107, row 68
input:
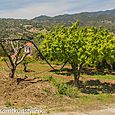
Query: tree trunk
column 76, row 81
column 113, row 66
column 11, row 75
column 25, row 67
column 76, row 71
column 110, row 68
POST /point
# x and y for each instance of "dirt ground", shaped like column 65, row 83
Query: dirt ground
column 107, row 111
column 30, row 92
column 20, row 92
column 35, row 91
column 23, row 93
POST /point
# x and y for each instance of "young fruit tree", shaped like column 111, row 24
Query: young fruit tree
column 14, row 51
column 103, row 49
column 75, row 44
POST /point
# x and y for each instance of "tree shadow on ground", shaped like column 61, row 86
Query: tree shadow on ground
column 64, row 71
column 89, row 86
column 88, row 71
column 29, row 71
column 32, row 81
column 95, row 87
column 94, row 71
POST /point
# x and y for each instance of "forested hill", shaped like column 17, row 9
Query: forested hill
column 101, row 18
column 42, row 23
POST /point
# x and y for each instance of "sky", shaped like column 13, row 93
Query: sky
column 28, row 9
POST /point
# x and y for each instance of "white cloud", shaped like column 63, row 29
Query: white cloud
column 32, row 8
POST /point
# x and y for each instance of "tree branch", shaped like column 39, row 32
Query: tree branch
column 41, row 55
column 15, row 50
column 18, row 62
column 7, row 63
column 19, row 50
column 9, row 57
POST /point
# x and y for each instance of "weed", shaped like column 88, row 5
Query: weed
column 100, row 77
column 8, row 104
column 48, row 78
column 62, row 88
column 46, row 91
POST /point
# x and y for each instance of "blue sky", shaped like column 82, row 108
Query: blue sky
column 29, row 9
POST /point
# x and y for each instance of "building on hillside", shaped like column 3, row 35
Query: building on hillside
column 28, row 48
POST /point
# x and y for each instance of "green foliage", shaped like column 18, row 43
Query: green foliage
column 79, row 45
column 8, row 104
column 103, row 46
column 1, row 52
column 67, row 90
column 46, row 90
column 63, row 88
column 13, row 27
column 48, row 78
column 1, row 58
column 104, row 77
column 28, row 59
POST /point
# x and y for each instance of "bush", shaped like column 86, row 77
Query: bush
column 3, row 59
column 8, row 104
column 63, row 88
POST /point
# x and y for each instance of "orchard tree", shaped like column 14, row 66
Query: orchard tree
column 77, row 45
column 103, row 49
column 14, row 51
column 71, row 44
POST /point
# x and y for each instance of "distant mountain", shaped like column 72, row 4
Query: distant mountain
column 10, row 27
column 100, row 18
column 43, row 17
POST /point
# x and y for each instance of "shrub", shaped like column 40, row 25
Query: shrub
column 63, row 88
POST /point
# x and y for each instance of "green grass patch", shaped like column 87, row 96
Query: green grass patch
column 62, row 87
column 101, row 77
column 100, row 99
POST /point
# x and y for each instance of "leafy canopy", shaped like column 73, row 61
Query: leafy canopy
column 80, row 45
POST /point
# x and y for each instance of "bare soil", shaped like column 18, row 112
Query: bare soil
column 21, row 92
column 35, row 91
column 31, row 92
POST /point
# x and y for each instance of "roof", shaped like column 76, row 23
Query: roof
column 28, row 44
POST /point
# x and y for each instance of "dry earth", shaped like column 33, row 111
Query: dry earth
column 37, row 92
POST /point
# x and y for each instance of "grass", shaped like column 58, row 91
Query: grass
column 62, row 87
column 103, row 77
column 80, row 100
column 8, row 104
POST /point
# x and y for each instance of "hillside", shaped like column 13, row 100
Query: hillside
column 10, row 27
column 101, row 18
